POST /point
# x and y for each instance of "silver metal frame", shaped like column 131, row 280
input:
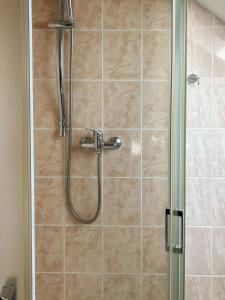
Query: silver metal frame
column 29, row 232
column 178, row 149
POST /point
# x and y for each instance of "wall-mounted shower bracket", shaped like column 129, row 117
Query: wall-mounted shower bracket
column 61, row 24
column 62, row 128
column 97, row 142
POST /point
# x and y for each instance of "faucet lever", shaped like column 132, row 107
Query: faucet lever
column 98, row 142
column 95, row 131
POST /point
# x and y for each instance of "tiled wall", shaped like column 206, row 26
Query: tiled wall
column 121, row 73
column 205, row 247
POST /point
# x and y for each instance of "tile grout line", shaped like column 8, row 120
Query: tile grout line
column 124, row 226
column 109, row 80
column 106, row 273
column 141, row 156
column 127, row 178
column 211, row 180
column 108, row 30
column 107, row 129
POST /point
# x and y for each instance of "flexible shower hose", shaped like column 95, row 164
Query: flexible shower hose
column 73, row 211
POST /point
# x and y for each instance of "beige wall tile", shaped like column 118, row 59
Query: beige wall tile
column 155, row 153
column 219, row 103
column 156, row 99
column 198, row 153
column 122, row 201
column 122, row 60
column 84, row 195
column 122, row 107
column 122, row 14
column 49, row 201
column 218, row 254
column 157, row 14
column 49, row 249
column 44, row 54
column 199, row 104
column 49, row 153
column 85, row 163
column 43, row 12
column 154, row 255
column 197, row 288
column 46, row 111
column 87, row 105
column 118, row 257
column 49, row 286
column 122, row 55
column 88, row 54
column 125, row 162
column 218, row 158
column 198, row 16
column 155, row 287
column 84, row 249
column 219, row 59
column 83, row 287
column 155, row 201
column 218, row 202
column 199, row 47
column 218, row 288
column 122, row 287
column 198, row 251
column 156, row 55
column 198, row 202
column 88, row 14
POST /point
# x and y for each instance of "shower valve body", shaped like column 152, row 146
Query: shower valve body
column 97, row 142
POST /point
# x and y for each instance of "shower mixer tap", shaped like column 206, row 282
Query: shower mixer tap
column 97, row 142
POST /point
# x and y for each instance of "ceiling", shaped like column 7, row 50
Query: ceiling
column 215, row 6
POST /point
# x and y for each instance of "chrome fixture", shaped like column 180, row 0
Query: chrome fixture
column 8, row 292
column 179, row 246
column 65, row 123
column 62, row 25
column 193, row 78
column 98, row 143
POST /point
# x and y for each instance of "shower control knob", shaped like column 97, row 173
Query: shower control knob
column 113, row 143
column 98, row 143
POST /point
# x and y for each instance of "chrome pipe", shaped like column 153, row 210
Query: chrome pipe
column 70, row 14
column 61, row 25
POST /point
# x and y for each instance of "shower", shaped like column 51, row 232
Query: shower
column 65, row 122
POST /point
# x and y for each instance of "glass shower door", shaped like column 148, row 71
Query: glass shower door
column 121, row 81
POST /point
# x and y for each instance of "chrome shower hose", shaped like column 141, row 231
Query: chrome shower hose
column 73, row 211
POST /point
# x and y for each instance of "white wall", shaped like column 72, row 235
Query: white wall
column 215, row 6
column 11, row 147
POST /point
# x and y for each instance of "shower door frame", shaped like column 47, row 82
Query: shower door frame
column 28, row 152
column 177, row 165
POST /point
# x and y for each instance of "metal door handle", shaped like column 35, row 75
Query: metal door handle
column 167, row 243
column 179, row 248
